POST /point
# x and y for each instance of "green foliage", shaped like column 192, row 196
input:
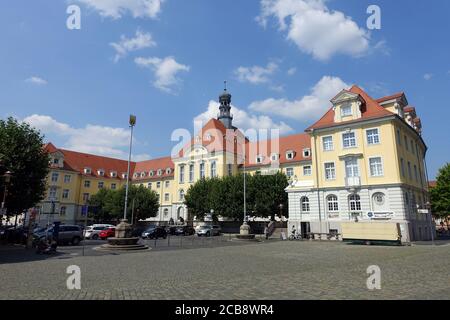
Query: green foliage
column 225, row 196
column 21, row 152
column 440, row 195
column 109, row 204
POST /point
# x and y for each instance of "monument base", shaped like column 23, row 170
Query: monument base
column 245, row 234
column 123, row 244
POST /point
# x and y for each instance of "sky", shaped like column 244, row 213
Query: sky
column 165, row 61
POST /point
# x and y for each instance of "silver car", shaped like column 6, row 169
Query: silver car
column 208, row 231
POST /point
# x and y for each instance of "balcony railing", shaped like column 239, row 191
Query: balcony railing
column 352, row 182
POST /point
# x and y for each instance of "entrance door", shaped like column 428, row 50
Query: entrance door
column 305, row 229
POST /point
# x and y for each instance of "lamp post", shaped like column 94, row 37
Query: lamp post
column 7, row 180
column 428, row 207
column 132, row 123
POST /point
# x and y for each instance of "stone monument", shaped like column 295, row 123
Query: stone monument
column 123, row 239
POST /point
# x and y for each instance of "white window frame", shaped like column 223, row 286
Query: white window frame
column 347, row 164
column 202, row 168
column 334, row 170
column 370, row 167
column 167, row 184
column 100, row 185
column 55, row 176
column 274, row 157
column 310, row 171
column 287, row 172
column 67, row 178
column 191, row 172
column 181, row 176
column 324, row 144
column 346, row 107
column 87, row 183
column 290, row 155
column 373, row 136
column 158, row 184
column 65, row 193
column 306, row 150
column 166, row 197
column 213, row 169
column 113, row 186
column 354, row 138
column 334, row 203
column 356, row 201
column 305, row 206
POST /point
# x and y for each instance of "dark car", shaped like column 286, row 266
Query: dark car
column 171, row 230
column 154, row 233
column 184, row 231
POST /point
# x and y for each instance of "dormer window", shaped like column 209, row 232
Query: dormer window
column 290, row 155
column 306, row 153
column 136, row 175
column 259, row 159
column 55, row 161
column 87, row 171
column 124, row 175
column 151, row 173
column 274, row 157
column 208, row 137
column 168, row 171
column 101, row 172
column 160, row 172
column 346, row 110
column 143, row 174
column 113, row 174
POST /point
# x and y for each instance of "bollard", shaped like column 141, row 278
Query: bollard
column 168, row 240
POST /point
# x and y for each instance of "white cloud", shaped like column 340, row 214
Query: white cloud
column 309, row 107
column 117, row 8
column 165, row 71
column 37, row 81
column 125, row 45
column 256, row 74
column 95, row 139
column 428, row 76
column 243, row 120
column 315, row 29
column 292, row 71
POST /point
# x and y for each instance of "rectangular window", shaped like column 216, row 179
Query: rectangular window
column 62, row 211
column 416, row 174
column 346, row 111
column 167, row 184
column 373, row 136
column 330, row 171
column 307, row 171
column 351, row 168
column 409, row 170
column 113, row 186
column 101, row 184
column 402, row 166
column 327, row 143
column 158, row 185
column 55, row 161
column 412, row 146
column 65, row 194
column 202, row 170
column 376, row 167
column 406, row 143
column 213, row 169
column 349, row 140
column 149, row 185
column 289, row 172
column 55, row 176
column 230, row 169
column 52, row 193
column 87, row 184
column 67, row 178
column 166, row 197
column 399, row 140
column 85, row 197
column 191, row 173
column 181, row 174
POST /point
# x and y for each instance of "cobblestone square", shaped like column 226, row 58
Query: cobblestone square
column 277, row 270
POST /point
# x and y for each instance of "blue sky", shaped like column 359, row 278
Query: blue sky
column 165, row 61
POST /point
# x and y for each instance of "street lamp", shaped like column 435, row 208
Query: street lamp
column 132, row 123
column 7, row 179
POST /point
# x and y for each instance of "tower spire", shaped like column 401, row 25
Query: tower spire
column 225, row 106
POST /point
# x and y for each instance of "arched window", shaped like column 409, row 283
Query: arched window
column 181, row 195
column 355, row 202
column 332, row 202
column 305, row 204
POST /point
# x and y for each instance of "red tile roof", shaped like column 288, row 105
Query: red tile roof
column 391, row 97
column 409, row 109
column 154, row 165
column 369, row 110
column 296, row 143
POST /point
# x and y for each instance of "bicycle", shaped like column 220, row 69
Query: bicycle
column 295, row 236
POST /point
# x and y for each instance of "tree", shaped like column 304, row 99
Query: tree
column 197, row 198
column 109, row 204
column 22, row 153
column 440, row 195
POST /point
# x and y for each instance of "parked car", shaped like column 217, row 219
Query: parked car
column 154, row 233
column 93, row 232
column 67, row 234
column 171, row 230
column 209, row 230
column 184, row 231
column 107, row 233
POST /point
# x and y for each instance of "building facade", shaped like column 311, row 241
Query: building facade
column 364, row 159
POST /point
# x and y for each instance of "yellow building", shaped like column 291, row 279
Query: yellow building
column 364, row 159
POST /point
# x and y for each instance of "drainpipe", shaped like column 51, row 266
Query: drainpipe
column 317, row 177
